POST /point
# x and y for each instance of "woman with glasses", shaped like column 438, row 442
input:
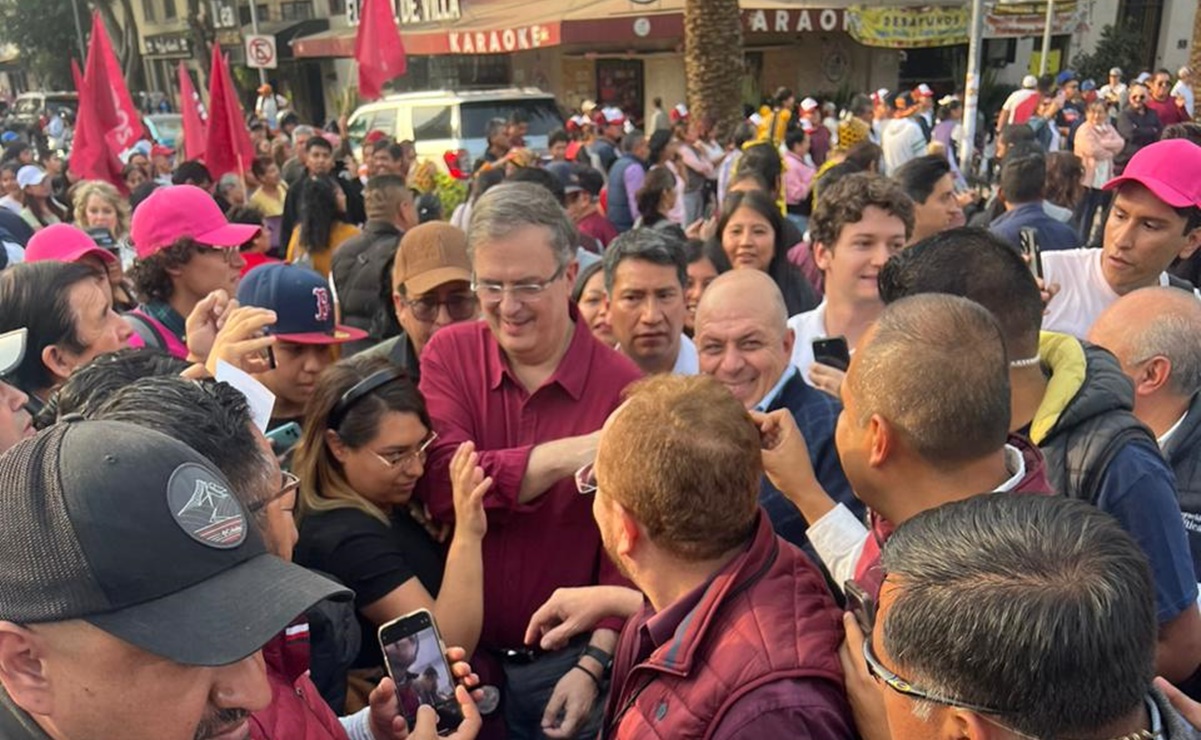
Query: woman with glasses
column 364, row 448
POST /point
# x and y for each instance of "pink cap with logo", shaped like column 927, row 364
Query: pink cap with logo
column 1168, row 169
column 179, row 211
column 64, row 243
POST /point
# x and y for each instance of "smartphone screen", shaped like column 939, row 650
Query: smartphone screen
column 416, row 660
column 1028, row 239
column 832, row 351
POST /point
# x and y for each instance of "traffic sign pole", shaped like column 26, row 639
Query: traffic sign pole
column 254, row 28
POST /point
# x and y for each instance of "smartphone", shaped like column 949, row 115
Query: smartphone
column 832, row 351
column 284, row 438
column 416, row 659
column 861, row 604
column 1028, row 243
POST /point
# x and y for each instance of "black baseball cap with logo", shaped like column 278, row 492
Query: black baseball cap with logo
column 139, row 535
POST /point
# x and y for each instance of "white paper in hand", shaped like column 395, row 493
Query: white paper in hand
column 261, row 400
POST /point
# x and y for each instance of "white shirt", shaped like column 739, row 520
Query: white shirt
column 903, row 141
column 687, row 360
column 839, row 537
column 806, row 327
column 1083, row 290
column 1166, row 437
column 1015, row 99
column 12, row 205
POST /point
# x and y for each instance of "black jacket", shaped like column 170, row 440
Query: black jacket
column 362, row 271
column 1092, row 427
column 1183, row 452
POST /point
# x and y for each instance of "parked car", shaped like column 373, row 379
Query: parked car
column 165, row 128
column 442, row 120
column 30, row 107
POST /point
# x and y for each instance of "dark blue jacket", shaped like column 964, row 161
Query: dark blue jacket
column 1052, row 234
column 816, row 414
column 619, row 202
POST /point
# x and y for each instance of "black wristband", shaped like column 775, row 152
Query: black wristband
column 600, row 656
column 591, row 675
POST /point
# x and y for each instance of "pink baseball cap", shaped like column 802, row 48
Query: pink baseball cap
column 64, row 243
column 923, row 91
column 1167, row 168
column 179, row 211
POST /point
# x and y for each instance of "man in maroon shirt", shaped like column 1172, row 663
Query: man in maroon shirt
column 1169, row 109
column 738, row 634
column 532, row 387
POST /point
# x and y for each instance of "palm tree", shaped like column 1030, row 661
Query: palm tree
column 713, row 60
column 1195, row 59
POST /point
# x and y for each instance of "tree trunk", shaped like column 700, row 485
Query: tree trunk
column 203, row 36
column 125, row 40
column 713, row 64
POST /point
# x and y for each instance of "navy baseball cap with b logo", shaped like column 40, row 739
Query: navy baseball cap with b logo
column 141, row 536
column 302, row 302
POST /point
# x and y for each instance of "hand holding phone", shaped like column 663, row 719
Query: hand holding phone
column 416, row 660
column 1028, row 241
column 832, row 351
column 861, row 604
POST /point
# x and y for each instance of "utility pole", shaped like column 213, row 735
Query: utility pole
column 971, row 89
column 83, row 55
column 1046, row 55
column 254, row 28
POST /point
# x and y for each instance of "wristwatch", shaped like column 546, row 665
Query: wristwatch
column 600, row 656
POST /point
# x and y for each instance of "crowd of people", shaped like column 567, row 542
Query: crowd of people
column 791, row 430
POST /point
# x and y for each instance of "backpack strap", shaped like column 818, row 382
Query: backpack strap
column 145, row 329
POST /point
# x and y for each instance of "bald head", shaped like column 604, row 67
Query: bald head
column 744, row 293
column 1155, row 323
column 742, row 334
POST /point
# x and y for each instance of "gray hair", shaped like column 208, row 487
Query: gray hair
column 648, row 245
column 632, row 141
column 1041, row 608
column 1172, row 332
column 494, row 127
column 227, row 182
column 303, row 130
column 513, row 205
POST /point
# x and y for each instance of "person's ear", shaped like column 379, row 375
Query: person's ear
column 822, row 256
column 336, row 446
column 1192, row 240
column 1153, row 376
column 57, row 363
column 398, row 304
column 882, row 440
column 964, row 724
column 22, row 670
column 572, row 270
column 629, row 531
column 789, row 341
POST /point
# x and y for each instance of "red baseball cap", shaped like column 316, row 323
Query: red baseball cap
column 159, row 150
column 179, row 211
column 1167, row 168
column 64, row 243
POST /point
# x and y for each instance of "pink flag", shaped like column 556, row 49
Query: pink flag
column 228, row 147
column 378, row 48
column 195, row 132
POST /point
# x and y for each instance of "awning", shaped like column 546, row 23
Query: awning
column 287, row 31
column 506, row 26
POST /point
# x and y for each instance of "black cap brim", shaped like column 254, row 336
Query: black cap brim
column 225, row 618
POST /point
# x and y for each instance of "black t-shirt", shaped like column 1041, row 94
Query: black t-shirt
column 370, row 558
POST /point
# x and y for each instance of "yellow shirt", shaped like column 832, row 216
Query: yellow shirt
column 268, row 205
column 322, row 262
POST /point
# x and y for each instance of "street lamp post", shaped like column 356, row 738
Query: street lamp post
column 254, row 28
column 78, row 30
column 1042, row 61
column 971, row 88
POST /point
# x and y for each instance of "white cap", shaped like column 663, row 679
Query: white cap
column 12, row 349
column 923, row 90
column 1029, row 82
column 808, row 104
column 614, row 116
column 30, row 174
column 587, row 106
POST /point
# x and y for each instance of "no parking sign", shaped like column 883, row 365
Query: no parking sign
column 260, row 52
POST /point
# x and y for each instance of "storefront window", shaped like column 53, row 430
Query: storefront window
column 169, row 10
column 296, row 10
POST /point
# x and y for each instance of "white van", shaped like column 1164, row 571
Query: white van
column 441, row 121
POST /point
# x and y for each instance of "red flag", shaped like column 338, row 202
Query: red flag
column 195, row 132
column 228, row 148
column 94, row 150
column 378, row 48
column 125, row 128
